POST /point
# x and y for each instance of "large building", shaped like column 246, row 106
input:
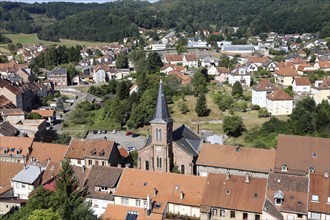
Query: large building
column 167, row 149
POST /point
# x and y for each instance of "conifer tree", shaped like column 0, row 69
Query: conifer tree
column 201, row 106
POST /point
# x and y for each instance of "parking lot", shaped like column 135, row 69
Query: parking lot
column 120, row 138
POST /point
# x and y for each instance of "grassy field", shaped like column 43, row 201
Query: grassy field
column 29, row 39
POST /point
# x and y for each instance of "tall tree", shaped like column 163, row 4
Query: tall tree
column 154, row 63
column 122, row 60
column 201, row 106
column 237, row 90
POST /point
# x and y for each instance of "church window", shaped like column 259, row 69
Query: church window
column 157, row 134
column 183, row 169
column 147, row 165
column 160, row 134
column 159, row 162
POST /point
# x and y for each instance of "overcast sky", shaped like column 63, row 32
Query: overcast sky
column 83, row 1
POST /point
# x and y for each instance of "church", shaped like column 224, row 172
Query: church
column 167, row 150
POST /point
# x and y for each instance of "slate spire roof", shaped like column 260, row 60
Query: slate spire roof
column 162, row 114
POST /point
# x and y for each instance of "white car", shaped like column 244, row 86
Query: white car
column 114, row 131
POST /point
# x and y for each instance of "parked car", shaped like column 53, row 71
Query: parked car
column 135, row 135
column 94, row 132
column 99, row 132
column 104, row 132
column 129, row 149
column 128, row 133
column 114, row 131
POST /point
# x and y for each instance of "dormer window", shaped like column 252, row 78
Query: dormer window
column 284, row 168
column 311, row 170
column 5, row 151
column 279, row 197
column 18, row 151
column 314, row 155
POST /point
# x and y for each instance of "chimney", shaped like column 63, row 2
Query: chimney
column 83, row 169
column 181, row 195
column 148, row 205
column 227, row 175
column 155, row 191
column 40, row 169
column 247, row 178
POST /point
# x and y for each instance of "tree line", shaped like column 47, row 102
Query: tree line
column 115, row 20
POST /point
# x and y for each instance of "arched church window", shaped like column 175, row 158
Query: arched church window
column 147, row 165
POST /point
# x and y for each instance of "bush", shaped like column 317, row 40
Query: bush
column 255, row 107
column 263, row 113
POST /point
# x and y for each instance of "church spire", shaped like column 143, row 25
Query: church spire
column 161, row 114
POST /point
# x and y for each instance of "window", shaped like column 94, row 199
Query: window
column 159, row 134
column 214, row 212
column 138, row 202
column 79, row 162
column 156, row 134
column 103, row 163
column 90, row 162
column 278, row 201
column 159, row 163
column 222, row 213
column 23, row 186
column 124, row 201
column 257, row 217
column 245, row 215
column 315, row 215
column 96, row 162
column 300, row 215
column 327, row 217
column 232, row 214
column 328, row 199
column 315, row 198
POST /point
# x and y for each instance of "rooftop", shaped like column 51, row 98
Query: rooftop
column 28, row 175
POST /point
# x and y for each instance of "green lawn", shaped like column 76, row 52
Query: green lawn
column 28, row 39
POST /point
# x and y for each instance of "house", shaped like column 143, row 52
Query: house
column 158, row 47
column 190, row 60
column 319, row 196
column 321, row 90
column 289, row 194
column 233, row 197
column 279, row 103
column 173, row 59
column 322, row 65
column 48, row 115
column 167, row 68
column 59, row 77
column 134, row 89
column 7, row 202
column 160, row 192
column 258, row 61
column 128, row 212
column 15, row 149
column 26, row 181
column 34, row 128
column 241, row 75
column 6, row 129
column 102, row 183
column 5, row 103
column 260, row 92
column 42, row 153
column 285, row 76
column 212, row 70
column 89, row 152
column 167, row 149
column 313, row 154
column 223, row 74
column 25, row 74
column 301, row 85
column 99, row 74
column 223, row 159
column 305, row 68
column 209, row 61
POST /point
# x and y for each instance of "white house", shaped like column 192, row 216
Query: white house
column 26, row 181
column 99, row 75
column 190, row 60
column 322, row 65
column 241, row 75
column 301, row 85
column 212, row 70
column 321, row 90
column 260, row 92
column 279, row 103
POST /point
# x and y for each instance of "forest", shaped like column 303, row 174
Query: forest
column 115, row 20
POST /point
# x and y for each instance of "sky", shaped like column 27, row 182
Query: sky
column 83, row 1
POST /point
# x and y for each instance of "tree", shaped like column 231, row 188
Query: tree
column 199, row 83
column 237, row 90
column 183, row 108
column 223, row 101
column 43, row 214
column 233, row 126
column 122, row 60
column 154, row 63
column 263, row 113
column 62, row 139
column 201, row 106
column 33, row 115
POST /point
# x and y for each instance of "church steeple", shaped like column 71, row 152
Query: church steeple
column 161, row 114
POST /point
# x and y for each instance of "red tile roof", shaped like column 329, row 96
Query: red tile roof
column 279, row 95
column 7, row 171
column 234, row 193
column 118, row 212
column 265, row 85
column 173, row 58
column 303, row 81
column 44, row 113
column 320, row 186
column 286, row 71
column 242, row 158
